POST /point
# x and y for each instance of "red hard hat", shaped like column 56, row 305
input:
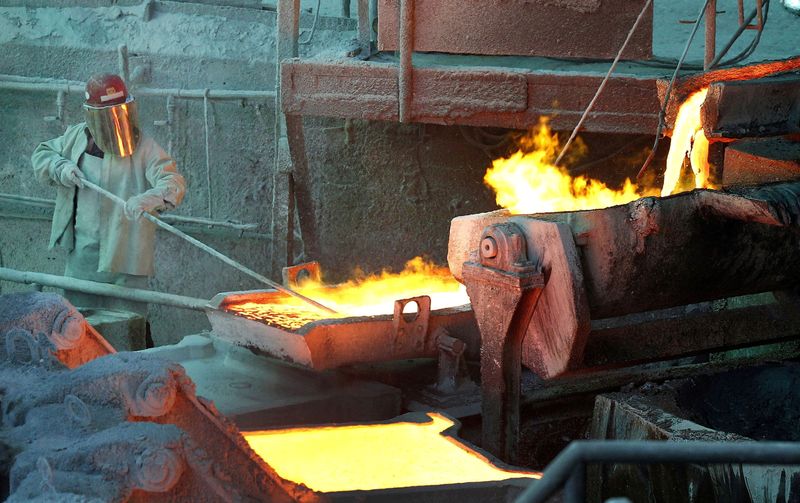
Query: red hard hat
column 106, row 90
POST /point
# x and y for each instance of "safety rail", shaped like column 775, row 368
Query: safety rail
column 568, row 469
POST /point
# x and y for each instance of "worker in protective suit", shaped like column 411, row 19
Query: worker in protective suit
column 106, row 242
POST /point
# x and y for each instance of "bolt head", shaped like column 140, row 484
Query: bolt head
column 488, row 247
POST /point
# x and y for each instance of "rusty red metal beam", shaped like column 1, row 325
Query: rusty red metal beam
column 575, row 29
column 497, row 97
column 691, row 83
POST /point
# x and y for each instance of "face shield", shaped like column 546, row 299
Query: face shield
column 115, row 128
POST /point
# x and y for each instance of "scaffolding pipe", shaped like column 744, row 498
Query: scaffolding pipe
column 95, row 288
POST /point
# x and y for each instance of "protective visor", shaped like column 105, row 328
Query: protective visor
column 115, row 128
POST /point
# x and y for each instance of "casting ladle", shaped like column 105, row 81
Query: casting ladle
column 209, row 250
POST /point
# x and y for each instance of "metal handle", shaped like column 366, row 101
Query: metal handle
column 211, row 251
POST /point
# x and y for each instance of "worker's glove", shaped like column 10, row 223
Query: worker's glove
column 70, row 175
column 149, row 203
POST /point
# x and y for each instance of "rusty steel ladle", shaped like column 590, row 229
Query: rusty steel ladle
column 211, row 251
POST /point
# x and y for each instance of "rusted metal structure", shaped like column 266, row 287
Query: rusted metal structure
column 648, row 255
column 336, row 342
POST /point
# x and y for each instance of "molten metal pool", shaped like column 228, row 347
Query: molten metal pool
column 377, row 456
column 363, row 296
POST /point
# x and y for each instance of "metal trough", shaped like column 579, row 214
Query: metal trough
column 331, row 343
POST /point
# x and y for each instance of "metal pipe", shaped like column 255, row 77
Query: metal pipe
column 405, row 83
column 641, row 452
column 206, row 130
column 50, row 203
column 743, row 26
column 93, row 287
column 122, row 63
column 211, row 251
column 170, row 123
column 575, row 486
column 711, row 34
column 79, row 87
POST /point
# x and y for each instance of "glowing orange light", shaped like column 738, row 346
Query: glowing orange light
column 375, row 456
column 528, row 182
column 689, row 139
column 118, row 129
column 362, row 296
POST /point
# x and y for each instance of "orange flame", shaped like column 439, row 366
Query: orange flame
column 375, row 456
column 688, row 138
column 528, row 182
column 365, row 295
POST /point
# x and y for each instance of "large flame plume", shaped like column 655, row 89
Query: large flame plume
column 375, row 456
column 364, row 295
column 528, row 182
column 689, row 139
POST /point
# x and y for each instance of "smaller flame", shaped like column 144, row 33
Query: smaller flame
column 528, row 182
column 689, row 139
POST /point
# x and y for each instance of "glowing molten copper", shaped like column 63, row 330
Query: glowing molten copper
column 375, row 456
column 365, row 295
column 689, row 139
column 528, row 182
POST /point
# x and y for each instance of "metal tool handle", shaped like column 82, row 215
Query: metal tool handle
column 209, row 250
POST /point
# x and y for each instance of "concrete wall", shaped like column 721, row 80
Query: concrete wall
column 183, row 45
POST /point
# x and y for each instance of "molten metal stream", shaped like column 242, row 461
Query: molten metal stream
column 362, row 296
column 375, row 456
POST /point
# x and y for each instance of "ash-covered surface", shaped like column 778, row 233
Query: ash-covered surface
column 120, row 426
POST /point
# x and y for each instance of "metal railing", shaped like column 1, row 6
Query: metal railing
column 568, row 469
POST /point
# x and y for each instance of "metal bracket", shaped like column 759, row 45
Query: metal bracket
column 451, row 362
column 295, row 274
column 504, row 288
column 411, row 329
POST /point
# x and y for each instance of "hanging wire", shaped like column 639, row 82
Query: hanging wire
column 603, row 83
column 663, row 112
column 313, row 27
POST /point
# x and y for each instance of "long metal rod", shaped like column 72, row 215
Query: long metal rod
column 50, row 203
column 23, row 84
column 211, row 251
column 711, row 35
column 603, row 83
column 93, row 287
column 639, row 452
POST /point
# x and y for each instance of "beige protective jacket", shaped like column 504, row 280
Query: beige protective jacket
column 125, row 246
